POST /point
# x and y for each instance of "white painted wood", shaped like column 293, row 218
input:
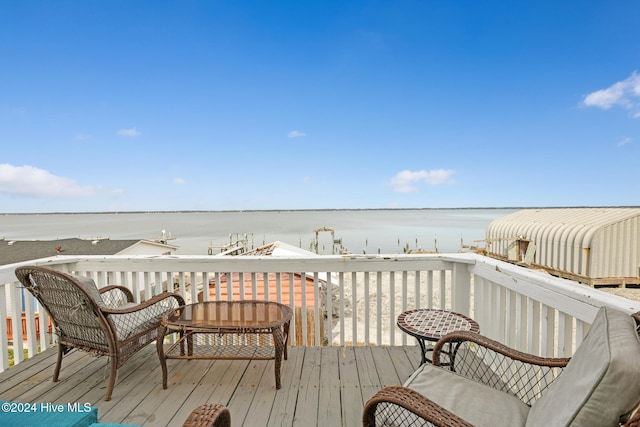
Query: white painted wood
column 506, row 299
column 44, row 326
column 32, row 343
column 405, row 287
column 367, row 310
column 16, row 322
column 4, row 353
column 392, row 311
column 317, row 314
column 461, row 289
column 354, row 308
column 341, row 312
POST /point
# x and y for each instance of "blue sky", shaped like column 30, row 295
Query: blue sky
column 224, row 105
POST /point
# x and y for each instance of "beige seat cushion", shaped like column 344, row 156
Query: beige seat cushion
column 130, row 324
column 474, row 402
column 90, row 288
column 602, row 380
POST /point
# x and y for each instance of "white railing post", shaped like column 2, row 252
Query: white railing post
column 16, row 322
column 4, row 339
column 461, row 289
column 32, row 343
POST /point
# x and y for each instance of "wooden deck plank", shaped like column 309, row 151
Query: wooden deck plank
column 384, row 367
column 350, row 390
column 321, row 386
column 216, row 386
column 307, row 407
column 329, row 388
column 130, row 390
column 284, row 407
column 266, row 394
column 405, row 362
column 244, row 393
column 76, row 363
column 75, row 382
column 41, row 362
column 159, row 405
column 367, row 373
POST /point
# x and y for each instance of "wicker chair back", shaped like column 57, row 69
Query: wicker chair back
column 104, row 322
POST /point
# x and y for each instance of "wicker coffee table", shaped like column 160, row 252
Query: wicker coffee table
column 427, row 324
column 227, row 330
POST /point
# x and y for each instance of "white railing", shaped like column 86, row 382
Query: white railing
column 528, row 310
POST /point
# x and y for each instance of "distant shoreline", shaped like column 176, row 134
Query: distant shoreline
column 308, row 210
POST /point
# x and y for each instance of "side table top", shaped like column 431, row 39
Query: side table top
column 433, row 324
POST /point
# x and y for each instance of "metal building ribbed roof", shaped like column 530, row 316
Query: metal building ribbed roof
column 595, row 245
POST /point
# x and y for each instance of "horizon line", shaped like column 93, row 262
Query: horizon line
column 303, row 210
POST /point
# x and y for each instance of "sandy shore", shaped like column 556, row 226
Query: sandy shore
column 382, row 306
column 388, row 309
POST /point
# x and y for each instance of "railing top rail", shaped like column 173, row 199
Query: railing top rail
column 553, row 291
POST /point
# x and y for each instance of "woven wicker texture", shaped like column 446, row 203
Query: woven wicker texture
column 228, row 346
column 486, row 361
column 523, row 375
column 245, row 329
column 394, row 406
column 116, row 329
column 209, row 415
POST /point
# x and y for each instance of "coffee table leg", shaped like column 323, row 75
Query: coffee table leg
column 190, row 343
column 286, row 339
column 160, row 348
column 278, row 341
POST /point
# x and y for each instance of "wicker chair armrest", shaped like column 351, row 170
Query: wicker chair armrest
column 131, row 321
column 160, row 298
column 401, row 406
column 209, row 415
column 488, row 343
column 489, row 362
column 113, row 295
column 634, row 419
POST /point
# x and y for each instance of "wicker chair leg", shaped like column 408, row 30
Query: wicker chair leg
column 160, row 351
column 112, row 377
column 56, row 371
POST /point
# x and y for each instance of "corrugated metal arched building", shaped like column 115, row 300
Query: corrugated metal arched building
column 596, row 246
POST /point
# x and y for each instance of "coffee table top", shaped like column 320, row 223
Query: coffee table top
column 432, row 324
column 228, row 315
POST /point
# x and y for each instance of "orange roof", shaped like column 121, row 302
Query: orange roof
column 298, row 288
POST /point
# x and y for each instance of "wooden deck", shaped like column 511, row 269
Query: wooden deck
column 321, row 386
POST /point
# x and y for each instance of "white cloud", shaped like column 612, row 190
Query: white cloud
column 407, row 181
column 129, row 132
column 296, row 134
column 625, row 93
column 179, row 181
column 30, row 181
column 82, row 137
column 624, row 141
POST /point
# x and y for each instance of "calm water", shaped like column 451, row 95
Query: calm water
column 193, row 232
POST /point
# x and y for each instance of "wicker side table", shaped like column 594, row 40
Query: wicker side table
column 427, row 324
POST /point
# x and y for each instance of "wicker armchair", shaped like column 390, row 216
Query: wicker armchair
column 209, row 415
column 498, row 386
column 104, row 322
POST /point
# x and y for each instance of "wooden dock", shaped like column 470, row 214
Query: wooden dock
column 321, row 386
